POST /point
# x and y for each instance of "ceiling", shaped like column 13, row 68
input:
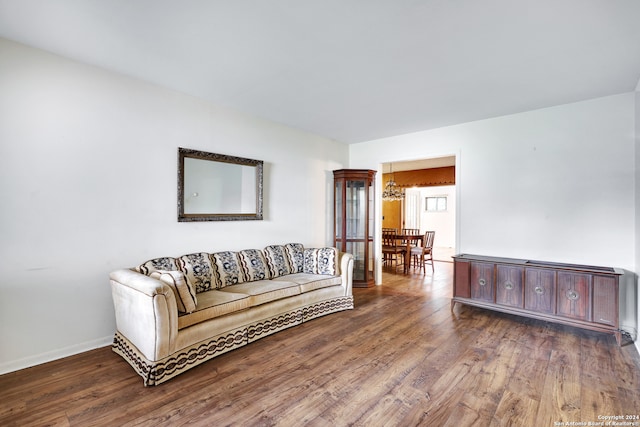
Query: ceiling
column 351, row 70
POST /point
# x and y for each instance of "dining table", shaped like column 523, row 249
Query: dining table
column 408, row 239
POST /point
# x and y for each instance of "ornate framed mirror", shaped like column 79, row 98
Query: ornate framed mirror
column 218, row 187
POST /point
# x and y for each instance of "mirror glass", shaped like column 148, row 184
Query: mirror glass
column 217, row 187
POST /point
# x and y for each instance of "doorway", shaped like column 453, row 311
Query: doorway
column 429, row 202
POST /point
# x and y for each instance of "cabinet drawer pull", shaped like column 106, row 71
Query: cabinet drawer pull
column 482, row 282
column 538, row 290
column 573, row 295
column 508, row 285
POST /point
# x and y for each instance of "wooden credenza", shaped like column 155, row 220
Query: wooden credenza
column 577, row 295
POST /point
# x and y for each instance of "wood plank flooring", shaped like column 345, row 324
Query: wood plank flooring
column 401, row 358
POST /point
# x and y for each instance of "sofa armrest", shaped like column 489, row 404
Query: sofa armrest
column 346, row 271
column 146, row 312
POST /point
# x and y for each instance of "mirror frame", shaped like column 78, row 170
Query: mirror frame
column 223, row 158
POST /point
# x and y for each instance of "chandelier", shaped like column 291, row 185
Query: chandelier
column 391, row 191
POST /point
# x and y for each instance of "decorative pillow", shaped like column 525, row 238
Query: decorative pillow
column 277, row 260
column 226, row 269
column 165, row 264
column 254, row 265
column 320, row 261
column 185, row 294
column 295, row 255
column 198, row 270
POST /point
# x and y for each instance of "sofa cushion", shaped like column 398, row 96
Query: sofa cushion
column 295, row 255
column 320, row 261
column 311, row 282
column 198, row 271
column 213, row 304
column 254, row 265
column 264, row 291
column 227, row 269
column 185, row 293
column 165, row 264
column 277, row 260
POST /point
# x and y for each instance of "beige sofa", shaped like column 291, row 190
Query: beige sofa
column 175, row 313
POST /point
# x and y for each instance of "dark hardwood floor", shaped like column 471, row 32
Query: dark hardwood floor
column 401, row 358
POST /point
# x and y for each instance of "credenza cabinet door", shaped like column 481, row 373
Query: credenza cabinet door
column 605, row 300
column 574, row 295
column 509, row 286
column 482, row 281
column 461, row 282
column 540, row 290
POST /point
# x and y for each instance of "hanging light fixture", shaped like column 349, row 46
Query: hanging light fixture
column 391, row 191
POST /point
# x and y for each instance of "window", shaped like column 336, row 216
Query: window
column 436, row 204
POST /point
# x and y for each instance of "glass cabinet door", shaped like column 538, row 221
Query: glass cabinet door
column 356, row 210
column 354, row 220
column 339, row 232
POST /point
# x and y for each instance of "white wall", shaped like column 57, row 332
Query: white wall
column 553, row 184
column 88, row 166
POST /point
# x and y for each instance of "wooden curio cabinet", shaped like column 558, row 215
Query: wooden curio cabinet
column 354, row 191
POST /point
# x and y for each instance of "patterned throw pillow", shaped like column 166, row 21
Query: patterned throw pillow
column 226, row 269
column 185, row 294
column 165, row 264
column 198, row 270
column 295, row 255
column 320, row 261
column 254, row 265
column 277, row 260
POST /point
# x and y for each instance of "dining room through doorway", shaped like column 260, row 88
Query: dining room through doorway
column 428, row 202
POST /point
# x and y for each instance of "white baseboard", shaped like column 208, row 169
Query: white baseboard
column 631, row 330
column 49, row 356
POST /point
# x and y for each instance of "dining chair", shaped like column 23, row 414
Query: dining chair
column 423, row 254
column 410, row 232
column 391, row 252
